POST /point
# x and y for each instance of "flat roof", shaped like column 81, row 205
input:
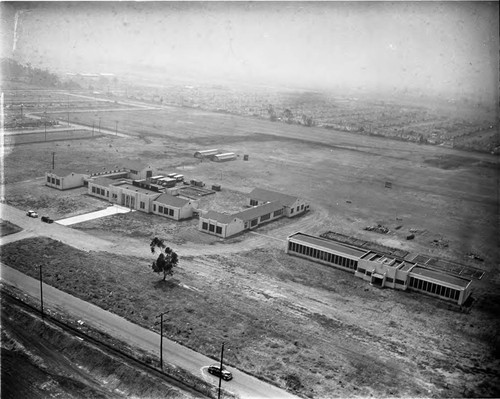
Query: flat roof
column 328, row 244
column 436, row 275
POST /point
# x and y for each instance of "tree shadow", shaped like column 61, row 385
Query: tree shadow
column 164, row 285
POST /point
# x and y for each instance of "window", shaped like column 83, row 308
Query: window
column 53, row 180
column 246, row 225
column 160, row 209
column 361, row 270
column 218, row 230
column 115, row 196
column 400, row 282
column 291, row 211
column 48, row 179
column 211, row 228
column 154, row 207
column 302, row 206
column 254, row 222
column 389, row 279
column 171, row 212
column 133, row 171
column 58, row 182
column 278, row 212
column 142, row 205
column 298, row 208
column 93, row 189
column 254, row 202
column 107, row 193
column 204, row 226
column 265, row 217
column 368, row 273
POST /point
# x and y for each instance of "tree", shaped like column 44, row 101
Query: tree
column 288, row 115
column 167, row 259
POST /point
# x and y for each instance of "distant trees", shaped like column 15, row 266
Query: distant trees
column 272, row 113
column 288, row 115
column 167, row 259
column 307, row 120
column 15, row 71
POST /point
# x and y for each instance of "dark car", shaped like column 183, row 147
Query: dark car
column 46, row 219
column 215, row 370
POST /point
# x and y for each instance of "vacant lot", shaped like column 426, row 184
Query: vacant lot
column 292, row 321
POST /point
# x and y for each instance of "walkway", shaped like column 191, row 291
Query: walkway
column 112, row 210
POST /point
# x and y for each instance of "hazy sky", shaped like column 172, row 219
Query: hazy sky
column 427, row 45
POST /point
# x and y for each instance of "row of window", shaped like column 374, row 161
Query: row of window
column 211, row 228
column 387, row 279
column 299, row 208
column 433, row 288
column 322, row 255
column 52, row 180
column 164, row 210
column 100, row 191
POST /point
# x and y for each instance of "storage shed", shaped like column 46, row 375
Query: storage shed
column 205, row 153
column 228, row 156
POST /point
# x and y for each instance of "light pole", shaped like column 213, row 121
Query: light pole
column 161, row 338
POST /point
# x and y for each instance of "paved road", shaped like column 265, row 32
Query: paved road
column 243, row 385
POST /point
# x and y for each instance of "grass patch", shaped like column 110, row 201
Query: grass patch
column 7, row 228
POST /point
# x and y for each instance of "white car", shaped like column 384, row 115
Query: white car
column 32, row 214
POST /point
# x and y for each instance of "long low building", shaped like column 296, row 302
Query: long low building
column 122, row 192
column 225, row 225
column 379, row 269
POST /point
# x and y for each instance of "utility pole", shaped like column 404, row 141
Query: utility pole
column 41, row 291
column 53, row 156
column 220, row 375
column 161, row 338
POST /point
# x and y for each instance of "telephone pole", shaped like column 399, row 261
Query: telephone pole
column 41, row 291
column 220, row 375
column 161, row 338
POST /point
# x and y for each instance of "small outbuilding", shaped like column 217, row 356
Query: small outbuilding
column 227, row 156
column 64, row 179
column 205, row 153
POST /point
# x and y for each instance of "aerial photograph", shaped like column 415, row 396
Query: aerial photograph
column 249, row 199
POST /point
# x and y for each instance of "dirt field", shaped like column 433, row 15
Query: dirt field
column 289, row 320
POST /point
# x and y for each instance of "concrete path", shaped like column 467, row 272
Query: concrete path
column 112, row 210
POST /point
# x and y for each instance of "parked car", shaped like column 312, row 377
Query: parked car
column 46, row 219
column 215, row 370
column 32, row 214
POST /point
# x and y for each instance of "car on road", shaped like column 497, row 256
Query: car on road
column 216, row 370
column 32, row 214
column 46, row 219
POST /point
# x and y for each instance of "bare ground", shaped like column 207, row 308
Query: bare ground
column 297, row 323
